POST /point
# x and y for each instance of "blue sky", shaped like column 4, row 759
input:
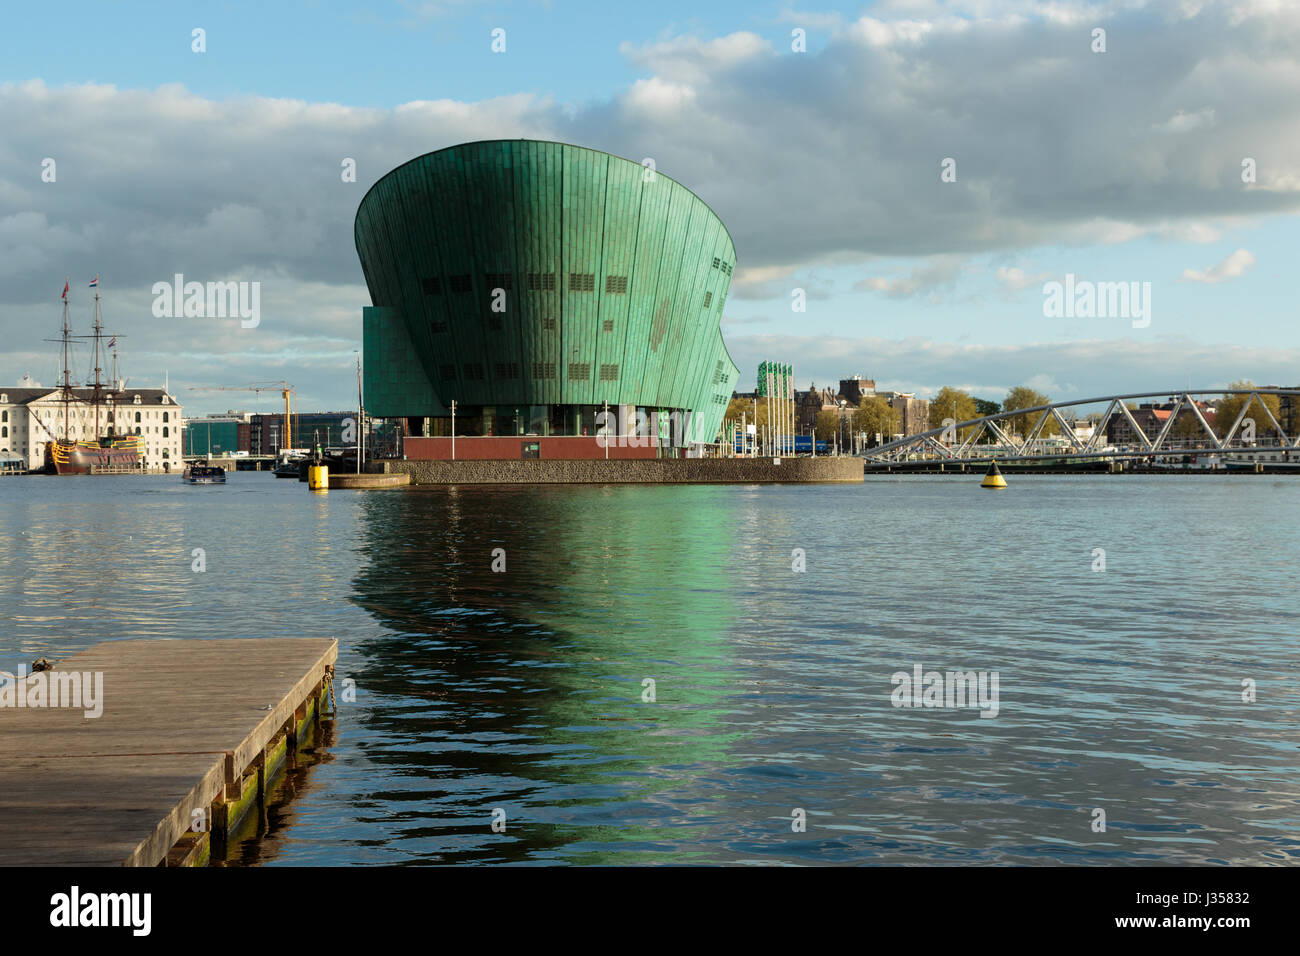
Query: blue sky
column 1115, row 166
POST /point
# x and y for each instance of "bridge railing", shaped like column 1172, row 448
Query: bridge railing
column 1184, row 429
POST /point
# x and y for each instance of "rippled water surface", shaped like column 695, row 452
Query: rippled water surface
column 523, row 690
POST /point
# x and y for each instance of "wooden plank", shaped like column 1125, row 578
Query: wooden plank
column 120, row 789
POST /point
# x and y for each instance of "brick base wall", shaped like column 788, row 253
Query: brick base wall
column 654, row 471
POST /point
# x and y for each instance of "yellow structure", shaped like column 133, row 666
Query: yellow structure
column 318, row 477
column 993, row 478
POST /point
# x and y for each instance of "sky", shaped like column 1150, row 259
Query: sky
column 920, row 170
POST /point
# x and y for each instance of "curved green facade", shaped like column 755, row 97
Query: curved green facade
column 517, row 273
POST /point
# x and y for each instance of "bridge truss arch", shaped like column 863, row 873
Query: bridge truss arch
column 980, row 440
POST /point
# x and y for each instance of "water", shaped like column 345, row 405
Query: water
column 523, row 690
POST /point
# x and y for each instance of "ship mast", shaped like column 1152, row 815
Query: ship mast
column 67, row 371
column 97, row 395
column 112, row 395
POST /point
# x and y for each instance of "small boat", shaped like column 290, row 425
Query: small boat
column 292, row 469
column 205, row 475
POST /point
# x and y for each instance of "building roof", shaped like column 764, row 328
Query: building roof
column 21, row 396
column 148, row 396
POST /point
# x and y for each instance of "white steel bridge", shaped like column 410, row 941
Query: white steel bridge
column 1184, row 434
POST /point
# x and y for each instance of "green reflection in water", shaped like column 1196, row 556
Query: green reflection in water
column 526, row 686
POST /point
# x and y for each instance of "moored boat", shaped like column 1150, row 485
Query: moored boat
column 110, row 450
column 204, row 474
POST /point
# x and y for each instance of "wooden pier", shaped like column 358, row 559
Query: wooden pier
column 190, row 733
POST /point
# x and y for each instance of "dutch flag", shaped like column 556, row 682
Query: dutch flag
column 94, row 283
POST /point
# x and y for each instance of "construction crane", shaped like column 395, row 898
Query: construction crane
column 284, row 388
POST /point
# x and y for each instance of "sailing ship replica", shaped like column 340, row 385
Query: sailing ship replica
column 110, row 449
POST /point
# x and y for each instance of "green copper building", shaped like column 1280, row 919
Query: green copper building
column 532, row 282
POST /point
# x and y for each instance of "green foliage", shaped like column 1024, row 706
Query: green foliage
column 1231, row 405
column 955, row 404
column 875, row 415
column 1022, row 396
column 826, row 425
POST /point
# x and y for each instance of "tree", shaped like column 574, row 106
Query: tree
column 745, row 406
column 874, row 416
column 1231, row 405
column 827, row 425
column 1022, row 396
column 984, row 407
column 955, row 404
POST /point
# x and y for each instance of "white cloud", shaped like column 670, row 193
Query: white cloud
column 1014, row 279
column 936, row 275
column 1182, row 122
column 1233, row 267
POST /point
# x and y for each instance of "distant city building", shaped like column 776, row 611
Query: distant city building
column 215, row 435
column 854, row 389
column 1152, row 417
column 31, row 416
column 309, row 428
column 913, row 412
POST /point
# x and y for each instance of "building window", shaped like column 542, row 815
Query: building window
column 440, row 326
column 580, row 371
column 473, row 371
column 541, row 281
column 137, row 418
column 616, row 285
column 4, row 416
column 4, row 431
column 582, row 282
column 716, row 262
column 609, row 373
column 4, row 398
column 431, row 286
column 543, row 370
column 166, row 433
column 165, row 416
column 498, row 280
column 461, row 284
column 495, row 323
column 548, row 324
column 506, row 369
column 708, row 298
column 136, row 401
column 446, row 372
column 608, row 325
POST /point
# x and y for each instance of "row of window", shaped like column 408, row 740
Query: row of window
column 537, row 282
column 578, row 371
column 496, row 324
column 166, row 432
column 4, row 416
